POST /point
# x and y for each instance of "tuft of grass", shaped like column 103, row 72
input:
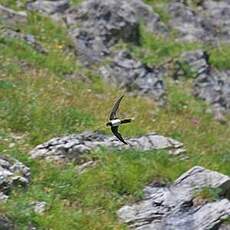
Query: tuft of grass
column 160, row 7
column 15, row 5
column 208, row 194
column 156, row 1
column 220, row 57
column 75, row 2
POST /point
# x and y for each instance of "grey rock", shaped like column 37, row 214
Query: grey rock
column 11, row 17
column 208, row 22
column 173, row 207
column 74, row 146
column 28, row 38
column 150, row 19
column 97, row 25
column 12, row 173
column 186, row 21
column 52, row 8
column 209, row 84
column 130, row 74
column 39, row 206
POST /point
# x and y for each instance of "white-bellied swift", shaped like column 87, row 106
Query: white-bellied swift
column 114, row 122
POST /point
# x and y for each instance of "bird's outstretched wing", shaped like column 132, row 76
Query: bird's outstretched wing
column 115, row 108
column 117, row 134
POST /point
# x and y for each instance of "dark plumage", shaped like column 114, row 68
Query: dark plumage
column 114, row 122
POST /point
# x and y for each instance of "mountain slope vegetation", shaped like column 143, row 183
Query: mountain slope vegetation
column 39, row 100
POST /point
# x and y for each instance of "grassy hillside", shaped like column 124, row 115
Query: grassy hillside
column 38, row 103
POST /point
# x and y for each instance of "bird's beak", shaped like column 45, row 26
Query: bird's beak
column 107, row 124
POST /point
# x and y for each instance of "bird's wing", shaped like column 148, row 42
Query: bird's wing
column 117, row 134
column 115, row 108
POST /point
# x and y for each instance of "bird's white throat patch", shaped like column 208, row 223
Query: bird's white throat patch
column 115, row 122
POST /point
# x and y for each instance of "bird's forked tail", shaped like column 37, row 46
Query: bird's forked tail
column 126, row 121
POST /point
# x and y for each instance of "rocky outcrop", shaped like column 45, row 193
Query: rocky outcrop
column 202, row 21
column 175, row 207
column 28, row 38
column 96, row 25
column 12, row 173
column 209, row 84
column 11, row 17
column 72, row 147
column 53, row 8
column 130, row 74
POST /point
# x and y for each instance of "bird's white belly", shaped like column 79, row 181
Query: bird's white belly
column 115, row 122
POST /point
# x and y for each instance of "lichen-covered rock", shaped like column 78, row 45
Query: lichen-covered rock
column 209, row 84
column 173, row 207
column 11, row 17
column 208, row 21
column 150, row 19
column 53, row 8
column 73, row 146
column 12, row 173
column 130, row 74
column 96, row 25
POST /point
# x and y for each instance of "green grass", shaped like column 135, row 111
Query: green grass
column 156, row 49
column 160, row 7
column 52, row 37
column 37, row 103
column 208, row 194
column 91, row 200
column 220, row 57
column 13, row 4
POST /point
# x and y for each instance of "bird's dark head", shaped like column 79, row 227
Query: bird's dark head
column 108, row 124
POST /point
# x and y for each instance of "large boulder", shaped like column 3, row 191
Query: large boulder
column 207, row 21
column 176, row 206
column 96, row 25
column 72, row 147
column 130, row 74
column 209, row 84
column 12, row 173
